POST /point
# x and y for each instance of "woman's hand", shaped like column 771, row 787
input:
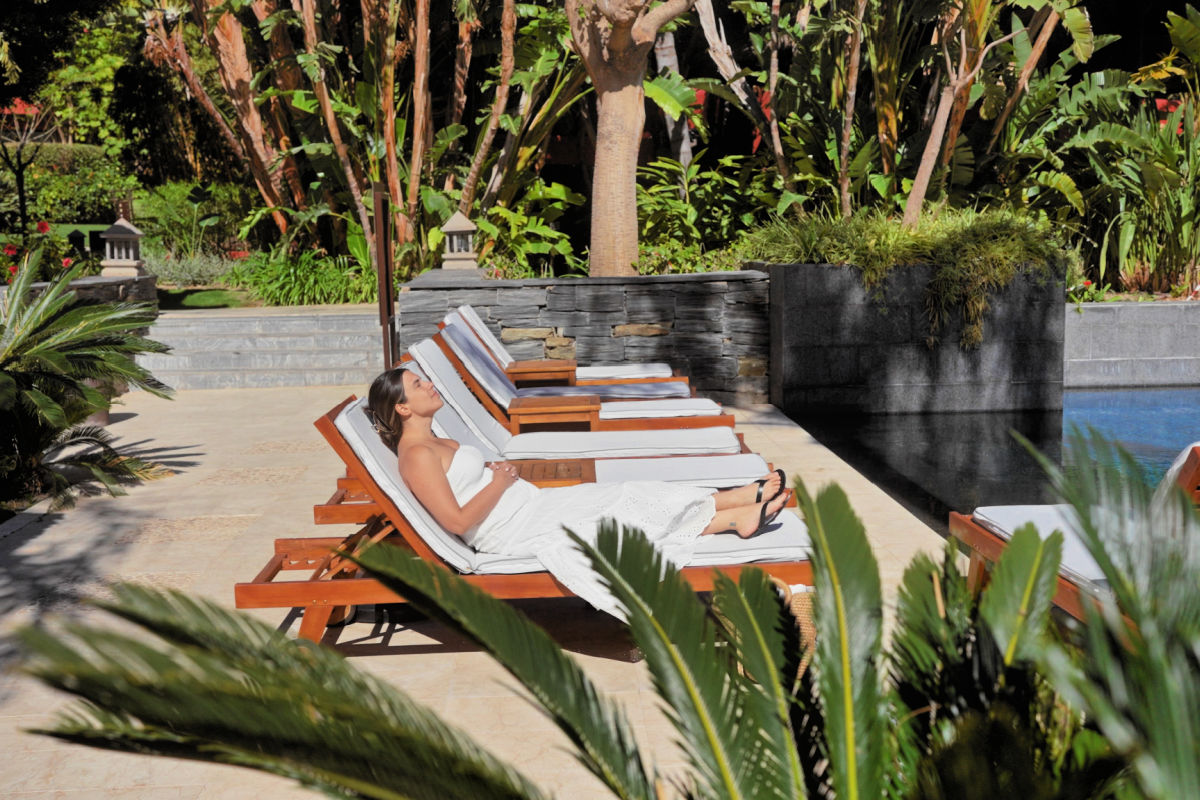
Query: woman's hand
column 505, row 473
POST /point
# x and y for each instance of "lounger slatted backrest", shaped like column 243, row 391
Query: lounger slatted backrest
column 472, row 319
column 481, row 365
column 482, row 425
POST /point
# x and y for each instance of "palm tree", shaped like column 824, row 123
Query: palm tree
column 55, row 350
column 968, row 713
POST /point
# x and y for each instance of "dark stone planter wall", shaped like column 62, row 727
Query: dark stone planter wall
column 141, row 289
column 1132, row 344
column 713, row 326
column 834, row 349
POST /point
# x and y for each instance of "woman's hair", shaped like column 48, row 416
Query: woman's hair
column 386, row 391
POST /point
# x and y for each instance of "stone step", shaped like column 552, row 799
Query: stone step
column 191, row 322
column 249, row 359
column 265, row 379
column 312, row 341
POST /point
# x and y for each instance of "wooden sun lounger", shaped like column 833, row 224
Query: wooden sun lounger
column 578, row 412
column 334, row 583
column 557, row 371
column 984, row 546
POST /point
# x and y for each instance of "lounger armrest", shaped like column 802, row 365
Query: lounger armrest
column 345, row 506
column 581, row 412
column 544, row 372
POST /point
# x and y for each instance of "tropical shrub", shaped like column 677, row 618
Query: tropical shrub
column 71, row 183
column 308, row 278
column 199, row 269
column 58, row 355
column 972, row 708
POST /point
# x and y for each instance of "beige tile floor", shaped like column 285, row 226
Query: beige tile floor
column 248, row 466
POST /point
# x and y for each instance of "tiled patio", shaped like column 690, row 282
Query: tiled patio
column 248, row 467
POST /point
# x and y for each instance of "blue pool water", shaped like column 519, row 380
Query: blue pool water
column 936, row 463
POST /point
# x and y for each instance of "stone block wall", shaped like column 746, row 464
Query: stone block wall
column 836, row 349
column 713, row 326
column 1114, row 345
column 140, row 289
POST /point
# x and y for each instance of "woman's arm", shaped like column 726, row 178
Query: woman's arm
column 422, row 470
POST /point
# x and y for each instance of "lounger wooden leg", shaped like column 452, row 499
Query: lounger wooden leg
column 315, row 621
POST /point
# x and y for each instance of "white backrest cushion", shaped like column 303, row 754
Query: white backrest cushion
column 458, row 398
column 1171, row 478
column 476, row 323
column 355, row 427
column 481, row 366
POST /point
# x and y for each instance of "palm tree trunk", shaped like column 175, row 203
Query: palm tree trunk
column 667, row 58
column 420, row 101
column 929, row 158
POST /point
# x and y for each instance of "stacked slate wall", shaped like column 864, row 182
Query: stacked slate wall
column 712, row 326
column 1132, row 344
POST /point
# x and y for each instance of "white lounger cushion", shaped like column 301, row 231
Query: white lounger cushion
column 1077, row 562
column 718, row 472
column 671, row 407
column 787, row 540
column 497, row 384
column 595, row 372
column 622, row 444
column 575, row 444
column 608, row 372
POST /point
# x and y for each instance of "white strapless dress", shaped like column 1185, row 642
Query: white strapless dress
column 531, row 522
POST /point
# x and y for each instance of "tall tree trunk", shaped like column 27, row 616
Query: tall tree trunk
column 667, row 59
column 286, row 77
column 614, row 41
column 307, row 11
column 420, row 99
column 1050, row 20
column 937, row 129
column 458, row 97
column 854, row 48
column 233, row 66
column 774, row 43
column 621, row 117
column 508, row 32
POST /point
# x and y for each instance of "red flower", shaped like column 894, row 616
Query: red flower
column 43, row 227
column 12, row 270
column 1087, row 283
column 239, row 254
column 66, row 263
column 10, row 249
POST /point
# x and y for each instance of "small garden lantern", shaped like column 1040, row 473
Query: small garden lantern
column 460, row 243
column 122, row 251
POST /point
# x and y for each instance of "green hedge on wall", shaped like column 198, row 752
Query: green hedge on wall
column 67, row 183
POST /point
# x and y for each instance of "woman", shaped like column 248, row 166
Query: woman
column 495, row 511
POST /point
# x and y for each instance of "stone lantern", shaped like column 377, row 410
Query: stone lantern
column 122, row 251
column 460, row 243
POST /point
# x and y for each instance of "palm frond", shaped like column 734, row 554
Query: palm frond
column 216, row 685
column 1016, row 603
column 596, row 726
column 767, row 645
column 726, row 728
column 849, row 615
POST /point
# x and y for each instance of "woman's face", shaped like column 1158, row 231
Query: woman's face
column 421, row 398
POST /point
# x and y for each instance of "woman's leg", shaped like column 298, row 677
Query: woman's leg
column 744, row 495
column 743, row 520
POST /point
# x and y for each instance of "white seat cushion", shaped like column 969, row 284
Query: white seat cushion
column 1077, row 562
column 637, row 390
column 718, row 472
column 670, row 407
column 621, row 444
column 608, row 372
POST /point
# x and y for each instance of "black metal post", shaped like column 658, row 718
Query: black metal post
column 384, row 268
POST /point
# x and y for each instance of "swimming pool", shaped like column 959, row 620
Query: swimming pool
column 937, row 463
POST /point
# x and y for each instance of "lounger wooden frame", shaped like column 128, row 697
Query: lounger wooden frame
column 984, row 547
column 575, row 412
column 556, row 371
column 334, row 583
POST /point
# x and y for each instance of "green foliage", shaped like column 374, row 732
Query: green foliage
column 71, row 183
column 30, row 30
column 201, row 269
column 185, row 220
column 975, row 253
column 308, row 278
column 56, row 355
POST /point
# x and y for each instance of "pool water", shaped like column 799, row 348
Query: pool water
column 937, row 463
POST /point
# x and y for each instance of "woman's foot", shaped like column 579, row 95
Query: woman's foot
column 766, row 488
column 757, row 518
